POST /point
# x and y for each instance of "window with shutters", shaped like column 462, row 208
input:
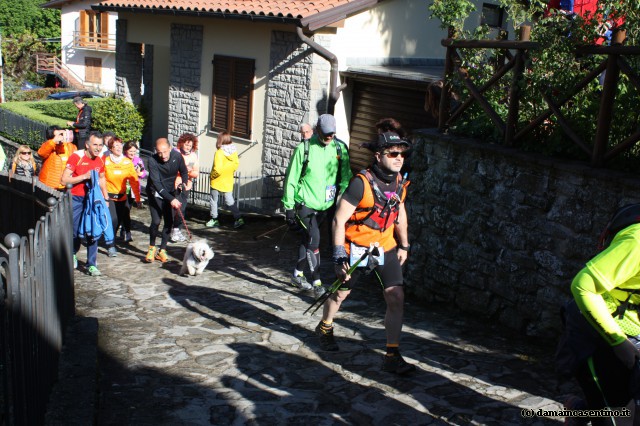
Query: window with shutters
column 93, row 31
column 231, row 106
column 93, row 70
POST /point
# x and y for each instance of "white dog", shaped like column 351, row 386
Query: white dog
column 196, row 257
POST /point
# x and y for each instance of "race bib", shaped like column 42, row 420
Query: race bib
column 330, row 193
column 357, row 251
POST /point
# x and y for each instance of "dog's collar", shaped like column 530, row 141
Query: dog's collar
column 195, row 256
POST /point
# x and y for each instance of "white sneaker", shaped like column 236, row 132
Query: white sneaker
column 300, row 282
column 176, row 236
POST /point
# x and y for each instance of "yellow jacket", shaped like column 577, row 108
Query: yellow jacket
column 222, row 170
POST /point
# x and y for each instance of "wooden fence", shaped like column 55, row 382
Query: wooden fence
column 613, row 65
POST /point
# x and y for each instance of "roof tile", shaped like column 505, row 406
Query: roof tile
column 296, row 9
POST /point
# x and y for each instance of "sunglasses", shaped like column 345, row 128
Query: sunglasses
column 328, row 136
column 395, row 154
column 25, row 152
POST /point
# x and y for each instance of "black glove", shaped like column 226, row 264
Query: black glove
column 627, row 353
column 290, row 217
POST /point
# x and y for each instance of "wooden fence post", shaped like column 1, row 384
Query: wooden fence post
column 514, row 99
column 445, row 96
column 606, row 108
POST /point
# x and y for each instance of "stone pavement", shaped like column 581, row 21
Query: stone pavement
column 232, row 347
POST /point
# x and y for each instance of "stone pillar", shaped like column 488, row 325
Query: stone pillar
column 147, row 96
column 128, row 65
column 288, row 99
column 184, row 81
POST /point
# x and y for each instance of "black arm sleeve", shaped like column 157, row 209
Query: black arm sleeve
column 84, row 122
column 355, row 191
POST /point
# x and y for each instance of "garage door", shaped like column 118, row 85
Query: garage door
column 373, row 101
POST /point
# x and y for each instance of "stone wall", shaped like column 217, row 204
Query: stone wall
column 128, row 65
column 501, row 233
column 288, row 99
column 184, row 80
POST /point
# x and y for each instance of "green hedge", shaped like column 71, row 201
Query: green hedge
column 109, row 114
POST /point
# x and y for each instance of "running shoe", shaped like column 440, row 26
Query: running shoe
column 327, row 342
column 162, row 255
column 177, row 237
column 93, row 271
column 213, row 223
column 300, row 282
column 318, row 289
column 151, row 254
column 238, row 223
column 75, row 262
column 112, row 252
column 397, row 364
column 127, row 237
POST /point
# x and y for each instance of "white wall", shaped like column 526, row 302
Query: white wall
column 74, row 58
column 393, row 29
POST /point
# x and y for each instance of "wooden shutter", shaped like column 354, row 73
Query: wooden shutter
column 104, row 30
column 243, row 96
column 93, row 70
column 221, row 93
column 232, row 95
column 84, row 28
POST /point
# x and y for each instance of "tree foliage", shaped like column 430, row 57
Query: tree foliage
column 24, row 26
column 26, row 16
column 552, row 72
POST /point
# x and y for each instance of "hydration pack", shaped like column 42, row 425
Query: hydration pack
column 623, row 217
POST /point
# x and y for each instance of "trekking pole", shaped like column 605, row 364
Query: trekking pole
column 277, row 246
column 270, row 232
column 336, row 284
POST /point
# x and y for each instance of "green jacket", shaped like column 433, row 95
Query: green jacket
column 314, row 190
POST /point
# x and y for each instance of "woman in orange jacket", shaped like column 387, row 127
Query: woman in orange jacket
column 55, row 152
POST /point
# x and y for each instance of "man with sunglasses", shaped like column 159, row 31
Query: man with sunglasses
column 318, row 172
column 371, row 213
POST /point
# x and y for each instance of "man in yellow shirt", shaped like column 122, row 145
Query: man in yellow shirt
column 603, row 333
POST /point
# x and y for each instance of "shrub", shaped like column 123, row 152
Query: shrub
column 118, row 116
column 109, row 114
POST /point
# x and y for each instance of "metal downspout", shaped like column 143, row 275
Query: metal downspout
column 334, row 89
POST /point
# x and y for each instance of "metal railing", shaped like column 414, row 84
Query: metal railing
column 36, row 294
column 22, row 129
column 94, row 41
column 252, row 193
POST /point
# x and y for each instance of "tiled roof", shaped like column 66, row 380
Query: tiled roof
column 308, row 12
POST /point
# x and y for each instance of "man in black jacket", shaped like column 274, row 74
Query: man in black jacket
column 164, row 167
column 82, row 125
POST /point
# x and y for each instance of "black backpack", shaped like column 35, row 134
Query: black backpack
column 623, row 217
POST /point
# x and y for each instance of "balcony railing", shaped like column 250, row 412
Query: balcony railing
column 94, row 41
column 47, row 63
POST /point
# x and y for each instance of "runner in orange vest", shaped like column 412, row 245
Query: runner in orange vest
column 371, row 212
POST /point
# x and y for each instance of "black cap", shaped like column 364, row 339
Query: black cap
column 386, row 140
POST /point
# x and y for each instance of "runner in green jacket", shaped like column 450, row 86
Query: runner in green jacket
column 318, row 172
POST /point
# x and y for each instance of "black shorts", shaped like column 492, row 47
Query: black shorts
column 388, row 275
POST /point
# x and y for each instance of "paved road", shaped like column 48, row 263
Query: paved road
column 232, row 347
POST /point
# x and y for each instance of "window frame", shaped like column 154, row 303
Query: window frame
column 231, row 75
